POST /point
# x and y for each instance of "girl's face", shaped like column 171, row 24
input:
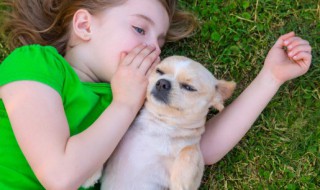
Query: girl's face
column 120, row 29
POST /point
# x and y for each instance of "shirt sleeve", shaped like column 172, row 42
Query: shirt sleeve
column 35, row 63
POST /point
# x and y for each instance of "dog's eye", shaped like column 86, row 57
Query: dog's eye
column 160, row 72
column 188, row 87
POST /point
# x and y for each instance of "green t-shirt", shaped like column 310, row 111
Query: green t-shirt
column 83, row 103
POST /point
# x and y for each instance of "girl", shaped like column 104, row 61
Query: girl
column 66, row 103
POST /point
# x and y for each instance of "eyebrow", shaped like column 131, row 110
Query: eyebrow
column 145, row 18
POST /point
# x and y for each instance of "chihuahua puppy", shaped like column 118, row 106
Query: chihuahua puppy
column 161, row 149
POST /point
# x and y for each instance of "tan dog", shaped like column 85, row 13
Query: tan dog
column 161, row 149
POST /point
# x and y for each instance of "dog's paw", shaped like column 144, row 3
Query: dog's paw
column 93, row 179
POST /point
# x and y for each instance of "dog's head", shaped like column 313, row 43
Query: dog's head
column 181, row 87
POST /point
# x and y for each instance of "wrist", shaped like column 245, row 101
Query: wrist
column 125, row 108
column 267, row 78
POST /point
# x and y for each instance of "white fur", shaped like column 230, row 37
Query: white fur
column 93, row 179
column 143, row 158
column 181, row 65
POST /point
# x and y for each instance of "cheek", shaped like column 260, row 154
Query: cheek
column 120, row 46
column 128, row 43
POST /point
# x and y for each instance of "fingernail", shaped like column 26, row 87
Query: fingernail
column 289, row 47
column 285, row 42
column 290, row 54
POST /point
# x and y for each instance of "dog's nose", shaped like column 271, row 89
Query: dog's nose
column 161, row 90
column 163, row 85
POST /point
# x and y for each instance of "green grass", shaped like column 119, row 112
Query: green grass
column 282, row 150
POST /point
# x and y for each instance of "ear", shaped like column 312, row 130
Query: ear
column 224, row 90
column 82, row 24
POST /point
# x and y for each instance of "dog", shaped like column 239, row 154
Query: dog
column 161, row 148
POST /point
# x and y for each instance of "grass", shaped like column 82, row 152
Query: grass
column 282, row 150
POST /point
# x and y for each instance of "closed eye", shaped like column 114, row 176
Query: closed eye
column 188, row 87
column 139, row 30
column 160, row 72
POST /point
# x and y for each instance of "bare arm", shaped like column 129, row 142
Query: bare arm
column 38, row 120
column 40, row 126
column 225, row 130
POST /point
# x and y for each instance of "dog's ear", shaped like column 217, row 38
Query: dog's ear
column 224, row 90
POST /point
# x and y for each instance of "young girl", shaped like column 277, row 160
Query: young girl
column 66, row 103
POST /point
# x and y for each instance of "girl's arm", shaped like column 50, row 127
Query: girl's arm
column 39, row 123
column 226, row 129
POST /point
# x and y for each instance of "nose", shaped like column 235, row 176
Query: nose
column 155, row 43
column 161, row 91
column 163, row 85
column 157, row 47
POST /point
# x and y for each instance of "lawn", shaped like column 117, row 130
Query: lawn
column 282, row 150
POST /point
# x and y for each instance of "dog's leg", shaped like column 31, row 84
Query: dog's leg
column 187, row 169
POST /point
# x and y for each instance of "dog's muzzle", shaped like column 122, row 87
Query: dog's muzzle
column 161, row 90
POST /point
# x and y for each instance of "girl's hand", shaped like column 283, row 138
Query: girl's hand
column 289, row 58
column 129, row 83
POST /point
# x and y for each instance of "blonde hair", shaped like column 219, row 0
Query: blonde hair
column 46, row 22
